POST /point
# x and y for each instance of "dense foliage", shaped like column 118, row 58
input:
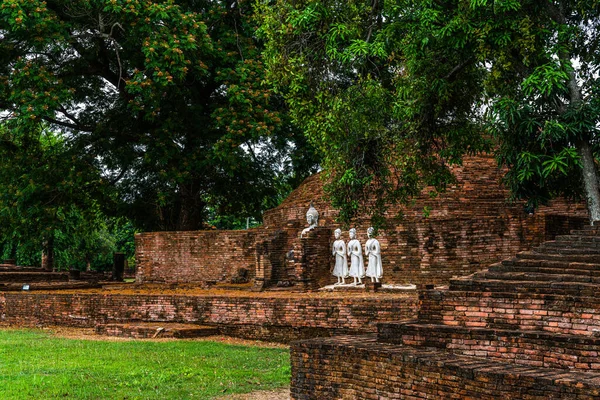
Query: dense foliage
column 50, row 200
column 163, row 99
column 153, row 112
column 392, row 92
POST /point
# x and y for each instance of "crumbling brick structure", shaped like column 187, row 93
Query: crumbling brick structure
column 525, row 328
column 468, row 227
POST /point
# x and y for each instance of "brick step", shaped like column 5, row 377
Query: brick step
column 154, row 330
column 546, row 270
column 595, row 244
column 550, row 312
column 472, row 284
column 575, row 250
column 534, row 348
column 583, row 258
column 28, row 276
column 586, row 231
column 531, row 265
column 553, row 275
column 362, row 368
column 577, row 239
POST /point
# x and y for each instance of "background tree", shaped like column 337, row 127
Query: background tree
column 410, row 86
column 49, row 196
column 163, row 99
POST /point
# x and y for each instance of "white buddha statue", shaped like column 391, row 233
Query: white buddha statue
column 340, row 270
column 373, row 251
column 357, row 266
column 312, row 217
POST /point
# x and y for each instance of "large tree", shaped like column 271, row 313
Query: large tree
column 164, row 97
column 408, row 87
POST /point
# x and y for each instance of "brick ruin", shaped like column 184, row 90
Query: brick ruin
column 525, row 328
column 469, row 226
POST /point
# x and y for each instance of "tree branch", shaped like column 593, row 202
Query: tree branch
column 67, row 124
column 458, row 68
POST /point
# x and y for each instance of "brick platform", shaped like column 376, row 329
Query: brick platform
column 526, row 328
column 362, row 368
column 279, row 317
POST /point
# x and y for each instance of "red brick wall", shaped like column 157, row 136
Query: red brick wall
column 468, row 227
column 194, row 256
column 282, row 318
column 559, row 312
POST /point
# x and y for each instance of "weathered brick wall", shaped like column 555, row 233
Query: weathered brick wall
column 283, row 318
column 530, row 348
column 468, row 227
column 197, row 256
column 559, row 312
column 361, row 368
column 308, row 261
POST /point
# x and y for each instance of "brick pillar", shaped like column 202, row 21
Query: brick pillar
column 313, row 271
column 269, row 258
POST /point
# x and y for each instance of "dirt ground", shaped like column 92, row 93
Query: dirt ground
column 90, row 334
column 281, row 394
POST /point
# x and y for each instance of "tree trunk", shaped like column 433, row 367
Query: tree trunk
column 13, row 250
column 590, row 179
column 588, row 166
column 48, row 254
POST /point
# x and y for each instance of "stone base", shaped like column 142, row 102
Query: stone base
column 154, row 330
column 372, row 286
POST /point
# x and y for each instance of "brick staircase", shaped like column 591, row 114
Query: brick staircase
column 526, row 328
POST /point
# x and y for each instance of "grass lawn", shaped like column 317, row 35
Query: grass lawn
column 36, row 365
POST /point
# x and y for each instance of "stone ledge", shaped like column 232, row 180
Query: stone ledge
column 154, row 330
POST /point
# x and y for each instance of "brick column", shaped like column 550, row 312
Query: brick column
column 313, row 271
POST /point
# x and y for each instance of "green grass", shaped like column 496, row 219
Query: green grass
column 36, row 365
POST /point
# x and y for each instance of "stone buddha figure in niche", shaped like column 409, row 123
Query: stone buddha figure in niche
column 312, row 217
column 340, row 269
column 373, row 252
column 357, row 266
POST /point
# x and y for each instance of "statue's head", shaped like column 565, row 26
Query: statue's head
column 337, row 233
column 371, row 232
column 352, row 233
column 312, row 215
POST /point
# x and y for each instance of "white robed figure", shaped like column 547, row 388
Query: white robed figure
column 357, row 266
column 341, row 261
column 373, row 251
